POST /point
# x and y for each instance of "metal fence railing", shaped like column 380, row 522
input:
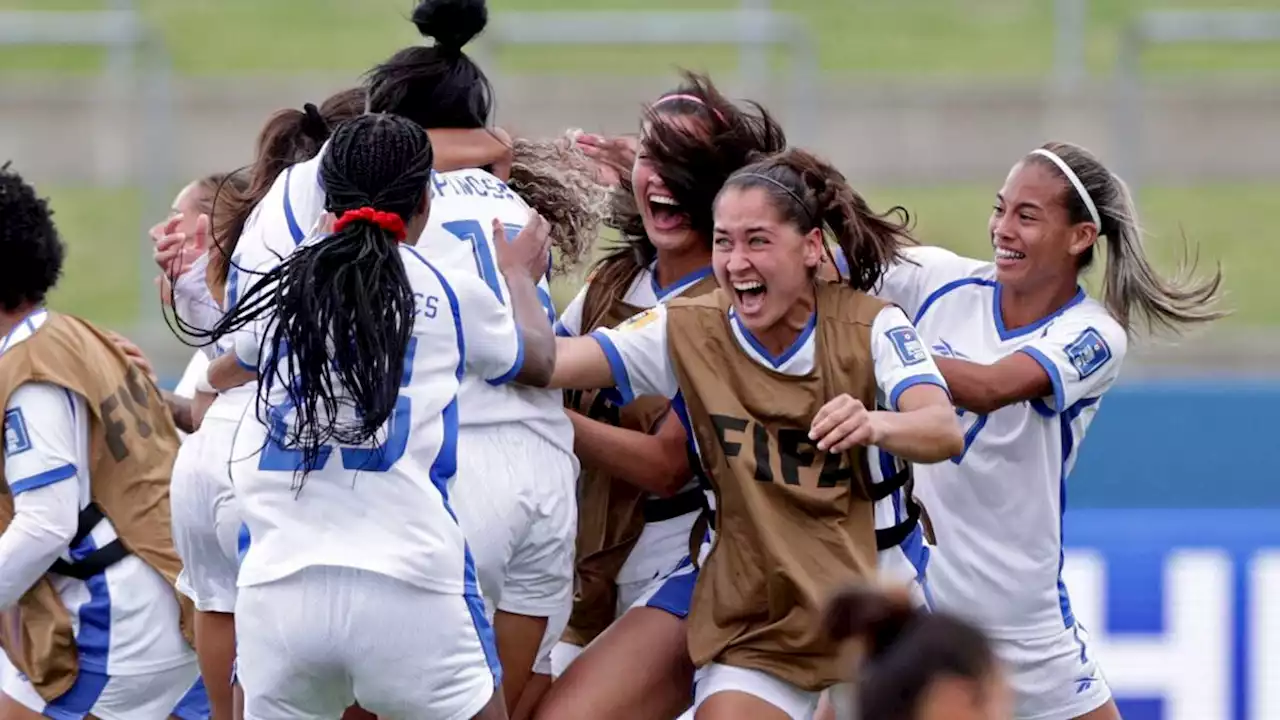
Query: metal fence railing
column 1169, row 28
column 752, row 30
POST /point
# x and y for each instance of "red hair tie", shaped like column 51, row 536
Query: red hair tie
column 388, row 221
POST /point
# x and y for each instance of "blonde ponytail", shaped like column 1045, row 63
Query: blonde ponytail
column 1131, row 285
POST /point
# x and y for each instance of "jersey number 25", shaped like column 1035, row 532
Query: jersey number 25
column 276, row 457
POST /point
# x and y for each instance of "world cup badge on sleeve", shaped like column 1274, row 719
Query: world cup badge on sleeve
column 906, row 342
column 1088, row 353
column 16, row 438
column 635, row 322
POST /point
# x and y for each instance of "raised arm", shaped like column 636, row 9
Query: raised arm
column 982, row 388
column 658, row 463
column 458, row 149
column 523, row 261
column 581, row 364
column 1078, row 356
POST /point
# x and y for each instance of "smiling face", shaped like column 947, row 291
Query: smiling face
column 665, row 223
column 1034, row 239
column 765, row 262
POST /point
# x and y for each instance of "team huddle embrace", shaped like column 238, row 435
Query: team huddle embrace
column 777, row 459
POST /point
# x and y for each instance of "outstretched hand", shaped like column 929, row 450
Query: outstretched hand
column 613, row 157
column 175, row 252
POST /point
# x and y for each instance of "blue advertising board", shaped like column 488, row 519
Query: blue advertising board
column 1182, row 608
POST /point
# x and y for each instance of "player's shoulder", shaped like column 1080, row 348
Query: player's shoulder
column 473, row 188
column 1092, row 325
column 643, row 319
column 716, row 301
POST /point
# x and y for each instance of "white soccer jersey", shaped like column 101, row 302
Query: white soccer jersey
column 459, row 236
column 271, row 234
column 383, row 509
column 659, row 543
column 644, row 292
column 637, row 352
column 125, row 619
column 997, row 508
column 197, row 368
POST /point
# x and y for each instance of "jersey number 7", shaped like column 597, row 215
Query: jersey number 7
column 471, row 231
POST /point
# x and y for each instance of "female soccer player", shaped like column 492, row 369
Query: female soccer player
column 777, row 374
column 346, row 502
column 637, row 503
column 521, row 524
column 1028, row 356
column 207, row 519
column 87, row 608
column 916, row 665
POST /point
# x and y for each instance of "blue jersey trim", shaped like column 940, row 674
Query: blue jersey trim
column 1001, row 329
column 616, row 365
column 796, row 345
column 1055, row 377
column 922, row 379
column 444, row 468
column 516, row 366
column 675, row 595
column 295, row 230
column 44, row 479
column 661, row 293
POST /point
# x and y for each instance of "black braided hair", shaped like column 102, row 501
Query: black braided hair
column 340, row 311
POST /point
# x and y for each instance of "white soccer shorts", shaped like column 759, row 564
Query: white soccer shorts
column 206, row 517
column 129, row 697
column 1054, row 678
column 313, row 643
column 515, row 498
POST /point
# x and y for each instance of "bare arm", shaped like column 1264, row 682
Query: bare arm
column 458, row 149
column 580, row 365
column 519, row 639
column 180, row 408
column 535, row 330
column 923, row 430
column 522, row 261
column 983, row 388
column 216, row 652
column 658, row 463
column 226, row 372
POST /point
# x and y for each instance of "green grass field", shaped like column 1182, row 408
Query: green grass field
column 937, row 37
column 102, row 230
column 987, row 38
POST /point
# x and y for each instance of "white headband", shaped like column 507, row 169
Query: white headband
column 1075, row 182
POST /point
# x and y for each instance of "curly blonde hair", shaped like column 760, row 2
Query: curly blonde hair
column 559, row 181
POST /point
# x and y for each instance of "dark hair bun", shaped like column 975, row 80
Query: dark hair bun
column 452, row 23
column 876, row 614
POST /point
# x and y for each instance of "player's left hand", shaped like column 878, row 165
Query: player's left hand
column 134, row 353
column 843, row 423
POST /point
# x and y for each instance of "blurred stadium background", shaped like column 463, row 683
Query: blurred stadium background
column 1174, row 533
